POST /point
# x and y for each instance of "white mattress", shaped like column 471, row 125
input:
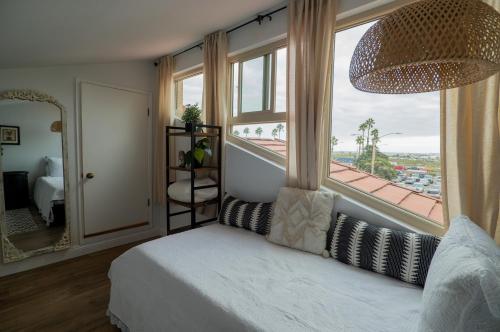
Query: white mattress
column 220, row 278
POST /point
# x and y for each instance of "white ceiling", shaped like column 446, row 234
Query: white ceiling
column 50, row 32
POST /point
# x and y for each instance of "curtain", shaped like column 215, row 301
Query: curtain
column 215, row 90
column 470, row 152
column 215, row 78
column 163, row 118
column 311, row 28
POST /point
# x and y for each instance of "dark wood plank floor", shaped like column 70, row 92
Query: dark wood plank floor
column 71, row 295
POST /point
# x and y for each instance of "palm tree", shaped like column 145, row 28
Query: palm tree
column 274, row 132
column 333, row 141
column 236, row 133
column 280, row 127
column 359, row 141
column 246, row 131
column 369, row 125
column 362, row 128
column 258, row 131
column 375, row 140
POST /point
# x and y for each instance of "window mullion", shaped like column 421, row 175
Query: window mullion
column 240, row 86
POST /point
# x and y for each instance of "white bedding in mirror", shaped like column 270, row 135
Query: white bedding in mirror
column 220, row 278
column 48, row 190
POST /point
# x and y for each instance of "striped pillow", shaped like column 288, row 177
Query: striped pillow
column 255, row 217
column 402, row 255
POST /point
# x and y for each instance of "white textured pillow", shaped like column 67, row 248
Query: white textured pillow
column 462, row 291
column 54, row 166
column 181, row 190
column 301, row 219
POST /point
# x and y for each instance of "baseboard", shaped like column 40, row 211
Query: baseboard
column 75, row 251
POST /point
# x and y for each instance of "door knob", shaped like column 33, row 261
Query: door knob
column 90, row 175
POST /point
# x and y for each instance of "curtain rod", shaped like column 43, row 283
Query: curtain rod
column 259, row 19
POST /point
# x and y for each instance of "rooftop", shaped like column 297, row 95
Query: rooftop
column 422, row 204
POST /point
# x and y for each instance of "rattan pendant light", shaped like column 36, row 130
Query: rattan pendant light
column 427, row 46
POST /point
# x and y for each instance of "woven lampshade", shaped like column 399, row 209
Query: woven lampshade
column 427, row 46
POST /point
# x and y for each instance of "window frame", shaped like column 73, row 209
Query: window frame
column 263, row 116
column 414, row 220
column 180, row 76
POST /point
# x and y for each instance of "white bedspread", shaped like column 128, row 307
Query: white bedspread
column 220, row 278
column 48, row 190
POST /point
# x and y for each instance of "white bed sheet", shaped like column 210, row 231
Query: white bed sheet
column 47, row 191
column 220, row 278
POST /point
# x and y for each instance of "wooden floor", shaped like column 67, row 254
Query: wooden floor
column 68, row 296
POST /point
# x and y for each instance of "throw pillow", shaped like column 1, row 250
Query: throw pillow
column 301, row 219
column 255, row 217
column 403, row 255
column 462, row 292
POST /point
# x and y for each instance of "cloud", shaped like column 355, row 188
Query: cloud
column 416, row 116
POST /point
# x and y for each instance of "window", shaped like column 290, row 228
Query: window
column 386, row 146
column 188, row 91
column 258, row 98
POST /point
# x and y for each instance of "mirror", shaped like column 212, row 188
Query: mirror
column 33, row 163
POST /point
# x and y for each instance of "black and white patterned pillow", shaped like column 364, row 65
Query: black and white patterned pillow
column 402, row 255
column 255, row 217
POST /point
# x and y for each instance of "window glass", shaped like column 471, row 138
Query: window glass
column 257, row 114
column 252, row 85
column 268, row 135
column 188, row 91
column 281, row 80
column 385, row 145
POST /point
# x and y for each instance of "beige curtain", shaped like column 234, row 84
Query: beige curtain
column 470, row 152
column 163, row 118
column 215, row 90
column 215, row 78
column 311, row 28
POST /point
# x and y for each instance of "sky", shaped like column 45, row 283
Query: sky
column 414, row 116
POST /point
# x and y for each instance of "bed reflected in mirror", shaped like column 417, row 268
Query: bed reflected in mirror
column 32, row 164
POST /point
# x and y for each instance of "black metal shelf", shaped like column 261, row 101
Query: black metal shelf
column 213, row 132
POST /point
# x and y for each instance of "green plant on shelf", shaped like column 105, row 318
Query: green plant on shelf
column 191, row 116
column 201, row 150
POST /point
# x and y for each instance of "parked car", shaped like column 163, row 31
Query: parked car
column 409, row 181
column 419, row 187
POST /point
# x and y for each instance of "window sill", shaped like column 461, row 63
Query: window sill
column 257, row 149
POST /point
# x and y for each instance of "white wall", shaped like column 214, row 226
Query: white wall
column 36, row 138
column 251, row 178
column 255, row 35
column 59, row 81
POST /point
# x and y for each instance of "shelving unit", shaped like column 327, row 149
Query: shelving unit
column 214, row 133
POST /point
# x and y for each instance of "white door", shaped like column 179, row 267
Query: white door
column 115, row 140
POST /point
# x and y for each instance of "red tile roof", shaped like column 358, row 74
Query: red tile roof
column 408, row 199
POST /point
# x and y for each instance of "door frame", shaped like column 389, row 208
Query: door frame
column 79, row 166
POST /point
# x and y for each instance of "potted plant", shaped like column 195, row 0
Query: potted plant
column 195, row 158
column 191, row 116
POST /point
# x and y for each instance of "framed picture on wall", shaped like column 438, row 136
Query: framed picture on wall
column 9, row 135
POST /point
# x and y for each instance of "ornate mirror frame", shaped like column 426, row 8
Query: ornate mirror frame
column 9, row 251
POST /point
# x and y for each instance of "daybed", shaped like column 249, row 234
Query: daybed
column 221, row 278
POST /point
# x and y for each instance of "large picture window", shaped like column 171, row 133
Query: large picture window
column 258, row 98
column 386, row 146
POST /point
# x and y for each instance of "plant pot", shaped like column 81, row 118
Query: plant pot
column 188, row 126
